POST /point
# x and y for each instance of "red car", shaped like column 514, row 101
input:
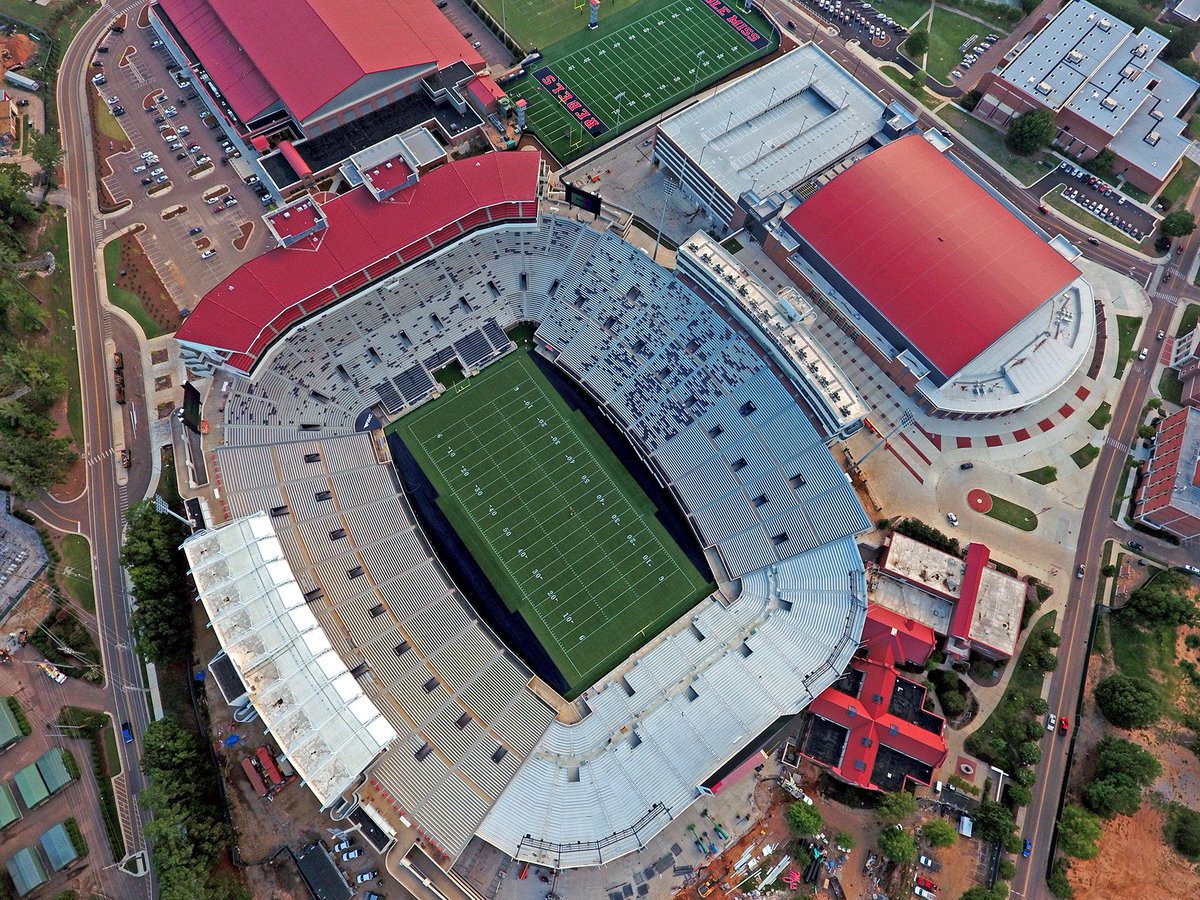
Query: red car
column 926, row 884
column 1063, row 724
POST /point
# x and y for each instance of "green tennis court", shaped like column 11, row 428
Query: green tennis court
column 564, row 533
column 636, row 64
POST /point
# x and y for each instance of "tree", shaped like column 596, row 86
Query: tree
column 1025, row 777
column 1038, row 706
column 1078, row 832
column 47, row 152
column 953, row 703
column 1057, row 881
column 1112, row 795
column 1018, row 794
column 1007, row 870
column 1031, row 131
column 1102, row 163
column 160, row 587
column 978, row 892
column 1180, row 46
column 1163, row 601
column 993, row 821
column 805, row 820
column 1179, row 223
column 1029, row 753
column 897, row 845
column 939, row 833
column 1128, row 702
column 896, row 807
column 845, row 840
column 917, row 44
column 1117, row 755
column 1109, row 571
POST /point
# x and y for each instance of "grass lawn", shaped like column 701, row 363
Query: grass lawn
column 1188, row 321
column 1122, row 485
column 1181, row 183
column 107, row 123
column 990, row 141
column 565, row 534
column 1077, row 213
column 1044, row 475
column 1144, row 652
column 1024, row 684
column 1135, row 192
column 1013, row 514
column 902, row 78
column 650, row 55
column 77, row 554
column 947, row 34
column 126, row 299
column 58, row 338
column 906, row 12
column 1085, row 455
column 1127, row 332
column 1102, row 416
column 538, row 23
column 1170, row 387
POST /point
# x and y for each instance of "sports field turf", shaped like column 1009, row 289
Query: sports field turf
column 542, row 23
column 566, row 536
column 654, row 53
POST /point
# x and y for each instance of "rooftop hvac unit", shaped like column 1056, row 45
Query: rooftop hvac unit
column 1105, row 25
column 1075, row 56
column 1157, row 113
column 1108, row 103
column 1044, row 88
column 1141, row 50
column 1153, row 138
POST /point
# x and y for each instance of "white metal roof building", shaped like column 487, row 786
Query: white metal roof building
column 771, row 130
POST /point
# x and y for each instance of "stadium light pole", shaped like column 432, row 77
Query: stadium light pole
column 696, row 80
column 619, row 98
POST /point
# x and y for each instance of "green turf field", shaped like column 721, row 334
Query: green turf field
column 563, row 532
column 656, row 53
column 542, row 23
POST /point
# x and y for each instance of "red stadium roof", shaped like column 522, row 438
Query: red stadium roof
column 364, row 240
column 949, row 266
column 307, row 52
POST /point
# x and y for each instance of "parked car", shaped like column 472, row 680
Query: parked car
column 101, row 49
column 147, row 180
column 156, row 44
column 232, row 201
column 349, row 854
column 342, row 846
column 201, row 160
column 138, row 169
column 181, row 156
column 1051, row 721
column 209, row 254
column 161, row 179
column 126, row 730
column 192, row 232
column 966, row 466
column 146, row 154
column 157, row 171
column 118, row 111
column 1063, row 725
column 952, row 519
column 1136, row 545
column 1191, row 569
column 195, row 148
column 211, row 200
column 1028, row 848
column 367, row 876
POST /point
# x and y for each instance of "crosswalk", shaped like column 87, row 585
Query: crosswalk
column 1111, row 441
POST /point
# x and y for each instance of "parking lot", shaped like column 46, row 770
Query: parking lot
column 191, row 193
column 1099, row 198
column 879, row 34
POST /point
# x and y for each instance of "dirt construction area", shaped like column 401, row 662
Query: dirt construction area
column 1134, row 860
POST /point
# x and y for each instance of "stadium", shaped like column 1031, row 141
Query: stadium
column 524, row 541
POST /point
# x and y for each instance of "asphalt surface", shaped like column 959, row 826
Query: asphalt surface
column 1140, row 221
column 99, row 510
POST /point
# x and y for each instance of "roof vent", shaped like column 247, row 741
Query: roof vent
column 1109, row 103
column 1157, row 114
column 1043, row 88
column 1075, row 56
column 1105, row 25
column 1129, row 72
column 1153, row 138
column 389, row 165
column 1141, row 50
column 287, row 214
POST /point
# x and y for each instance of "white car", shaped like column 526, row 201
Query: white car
column 232, row 201
column 146, row 154
column 137, row 169
column 1051, row 721
column 208, row 254
column 1143, row 354
column 211, row 200
column 156, row 172
column 952, row 519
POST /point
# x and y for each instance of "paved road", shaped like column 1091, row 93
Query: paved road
column 101, row 515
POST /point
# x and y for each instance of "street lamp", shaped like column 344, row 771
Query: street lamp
column 619, row 97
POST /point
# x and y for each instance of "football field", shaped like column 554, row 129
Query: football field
column 566, row 536
column 595, row 85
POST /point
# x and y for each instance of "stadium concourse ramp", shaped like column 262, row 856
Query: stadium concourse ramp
column 445, row 729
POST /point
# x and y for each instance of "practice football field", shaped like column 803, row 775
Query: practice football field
column 650, row 55
column 564, row 533
column 542, row 23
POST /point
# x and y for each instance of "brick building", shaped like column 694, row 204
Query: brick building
column 1168, row 496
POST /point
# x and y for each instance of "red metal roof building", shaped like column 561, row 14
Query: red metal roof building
column 1168, row 495
column 927, row 255
column 363, row 240
column 870, row 727
column 324, row 61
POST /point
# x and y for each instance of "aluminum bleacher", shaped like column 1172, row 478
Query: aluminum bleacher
column 712, row 421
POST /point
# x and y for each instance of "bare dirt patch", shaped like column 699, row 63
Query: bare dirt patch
column 144, row 17
column 127, row 55
column 160, row 188
column 1134, row 857
column 172, row 212
column 16, row 51
column 164, row 409
column 240, row 242
column 140, row 278
column 202, row 243
column 158, row 357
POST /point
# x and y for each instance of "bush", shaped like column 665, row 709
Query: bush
column 1057, row 881
column 77, row 839
column 19, row 715
column 1007, row 870
column 1018, row 794
column 1031, row 131
column 1163, row 601
column 1183, row 830
column 970, row 100
column 1128, row 702
column 961, row 784
column 803, row 819
column 1038, row 706
column 70, row 764
column 927, row 534
column 88, row 723
column 844, row 840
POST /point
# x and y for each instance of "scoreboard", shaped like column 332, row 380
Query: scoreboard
column 583, row 199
